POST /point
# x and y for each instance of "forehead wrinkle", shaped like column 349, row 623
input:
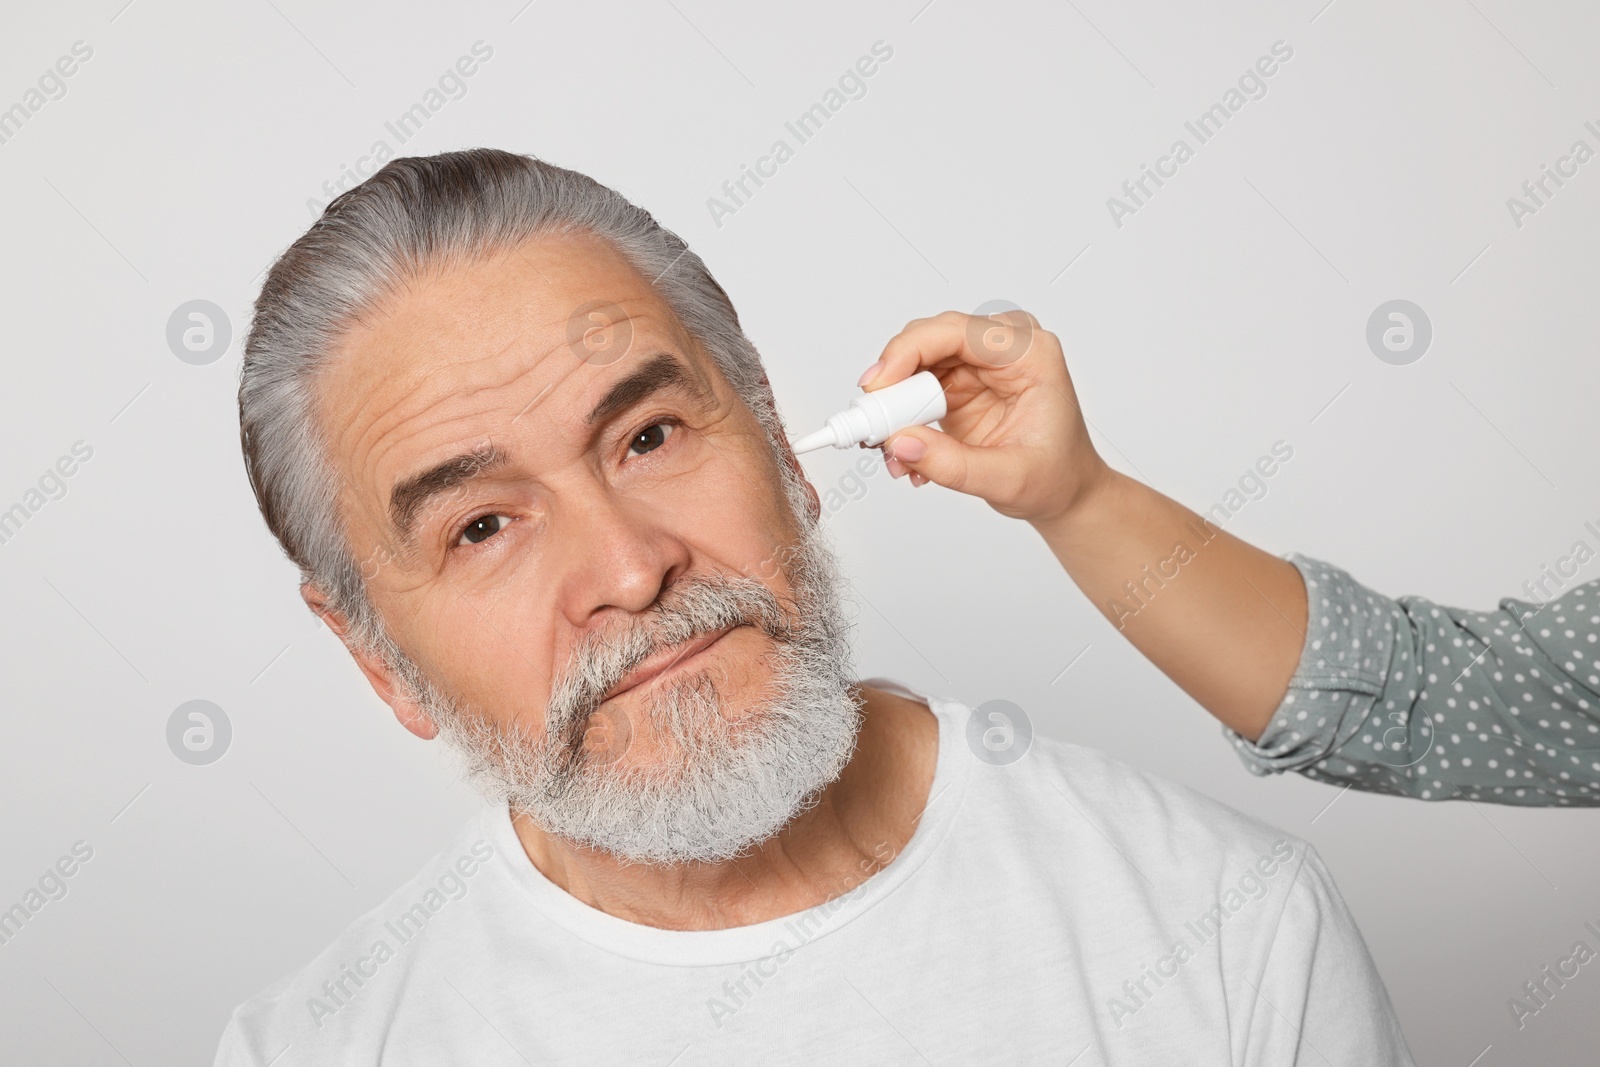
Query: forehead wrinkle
column 377, row 439
column 528, row 323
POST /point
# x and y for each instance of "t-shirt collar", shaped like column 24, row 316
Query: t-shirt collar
column 739, row 944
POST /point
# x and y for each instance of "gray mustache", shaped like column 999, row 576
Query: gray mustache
column 692, row 607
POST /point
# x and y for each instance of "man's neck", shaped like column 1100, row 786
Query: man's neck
column 860, row 823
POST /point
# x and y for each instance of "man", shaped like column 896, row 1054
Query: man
column 511, row 432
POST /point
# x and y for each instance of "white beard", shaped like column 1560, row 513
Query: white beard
column 716, row 787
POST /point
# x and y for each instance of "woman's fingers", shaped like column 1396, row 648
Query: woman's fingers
column 939, row 457
column 993, row 345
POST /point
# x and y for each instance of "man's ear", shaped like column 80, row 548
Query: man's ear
column 787, row 457
column 379, row 675
column 813, row 501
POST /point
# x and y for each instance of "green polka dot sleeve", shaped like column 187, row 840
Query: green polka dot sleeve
column 1407, row 697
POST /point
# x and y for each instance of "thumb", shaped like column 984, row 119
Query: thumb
column 954, row 464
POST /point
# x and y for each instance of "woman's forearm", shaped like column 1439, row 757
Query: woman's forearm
column 1222, row 618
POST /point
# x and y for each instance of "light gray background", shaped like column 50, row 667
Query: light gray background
column 1228, row 314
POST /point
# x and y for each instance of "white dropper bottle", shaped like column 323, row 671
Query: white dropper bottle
column 872, row 418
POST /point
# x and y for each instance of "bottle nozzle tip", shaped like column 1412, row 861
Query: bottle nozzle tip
column 812, row 441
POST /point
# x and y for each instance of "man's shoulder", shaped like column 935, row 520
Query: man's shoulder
column 345, row 979
column 1153, row 821
column 1145, row 852
column 1131, row 792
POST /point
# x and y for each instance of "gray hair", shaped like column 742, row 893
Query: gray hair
column 416, row 215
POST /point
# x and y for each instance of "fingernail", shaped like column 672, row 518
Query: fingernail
column 871, row 373
column 896, row 468
column 909, row 449
column 918, row 479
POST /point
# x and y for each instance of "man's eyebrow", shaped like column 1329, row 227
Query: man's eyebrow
column 408, row 497
column 655, row 374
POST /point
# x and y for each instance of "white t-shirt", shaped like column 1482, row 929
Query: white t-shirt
column 1064, row 909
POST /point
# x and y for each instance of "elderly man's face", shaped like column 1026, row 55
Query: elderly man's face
column 512, row 494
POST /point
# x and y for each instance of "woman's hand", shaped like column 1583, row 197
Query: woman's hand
column 1013, row 435
column 1222, row 618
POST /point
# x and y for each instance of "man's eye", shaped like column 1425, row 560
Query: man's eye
column 483, row 528
column 650, row 438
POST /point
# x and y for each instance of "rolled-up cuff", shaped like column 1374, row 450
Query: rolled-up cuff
column 1349, row 640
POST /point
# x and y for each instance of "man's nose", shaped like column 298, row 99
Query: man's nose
column 622, row 557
